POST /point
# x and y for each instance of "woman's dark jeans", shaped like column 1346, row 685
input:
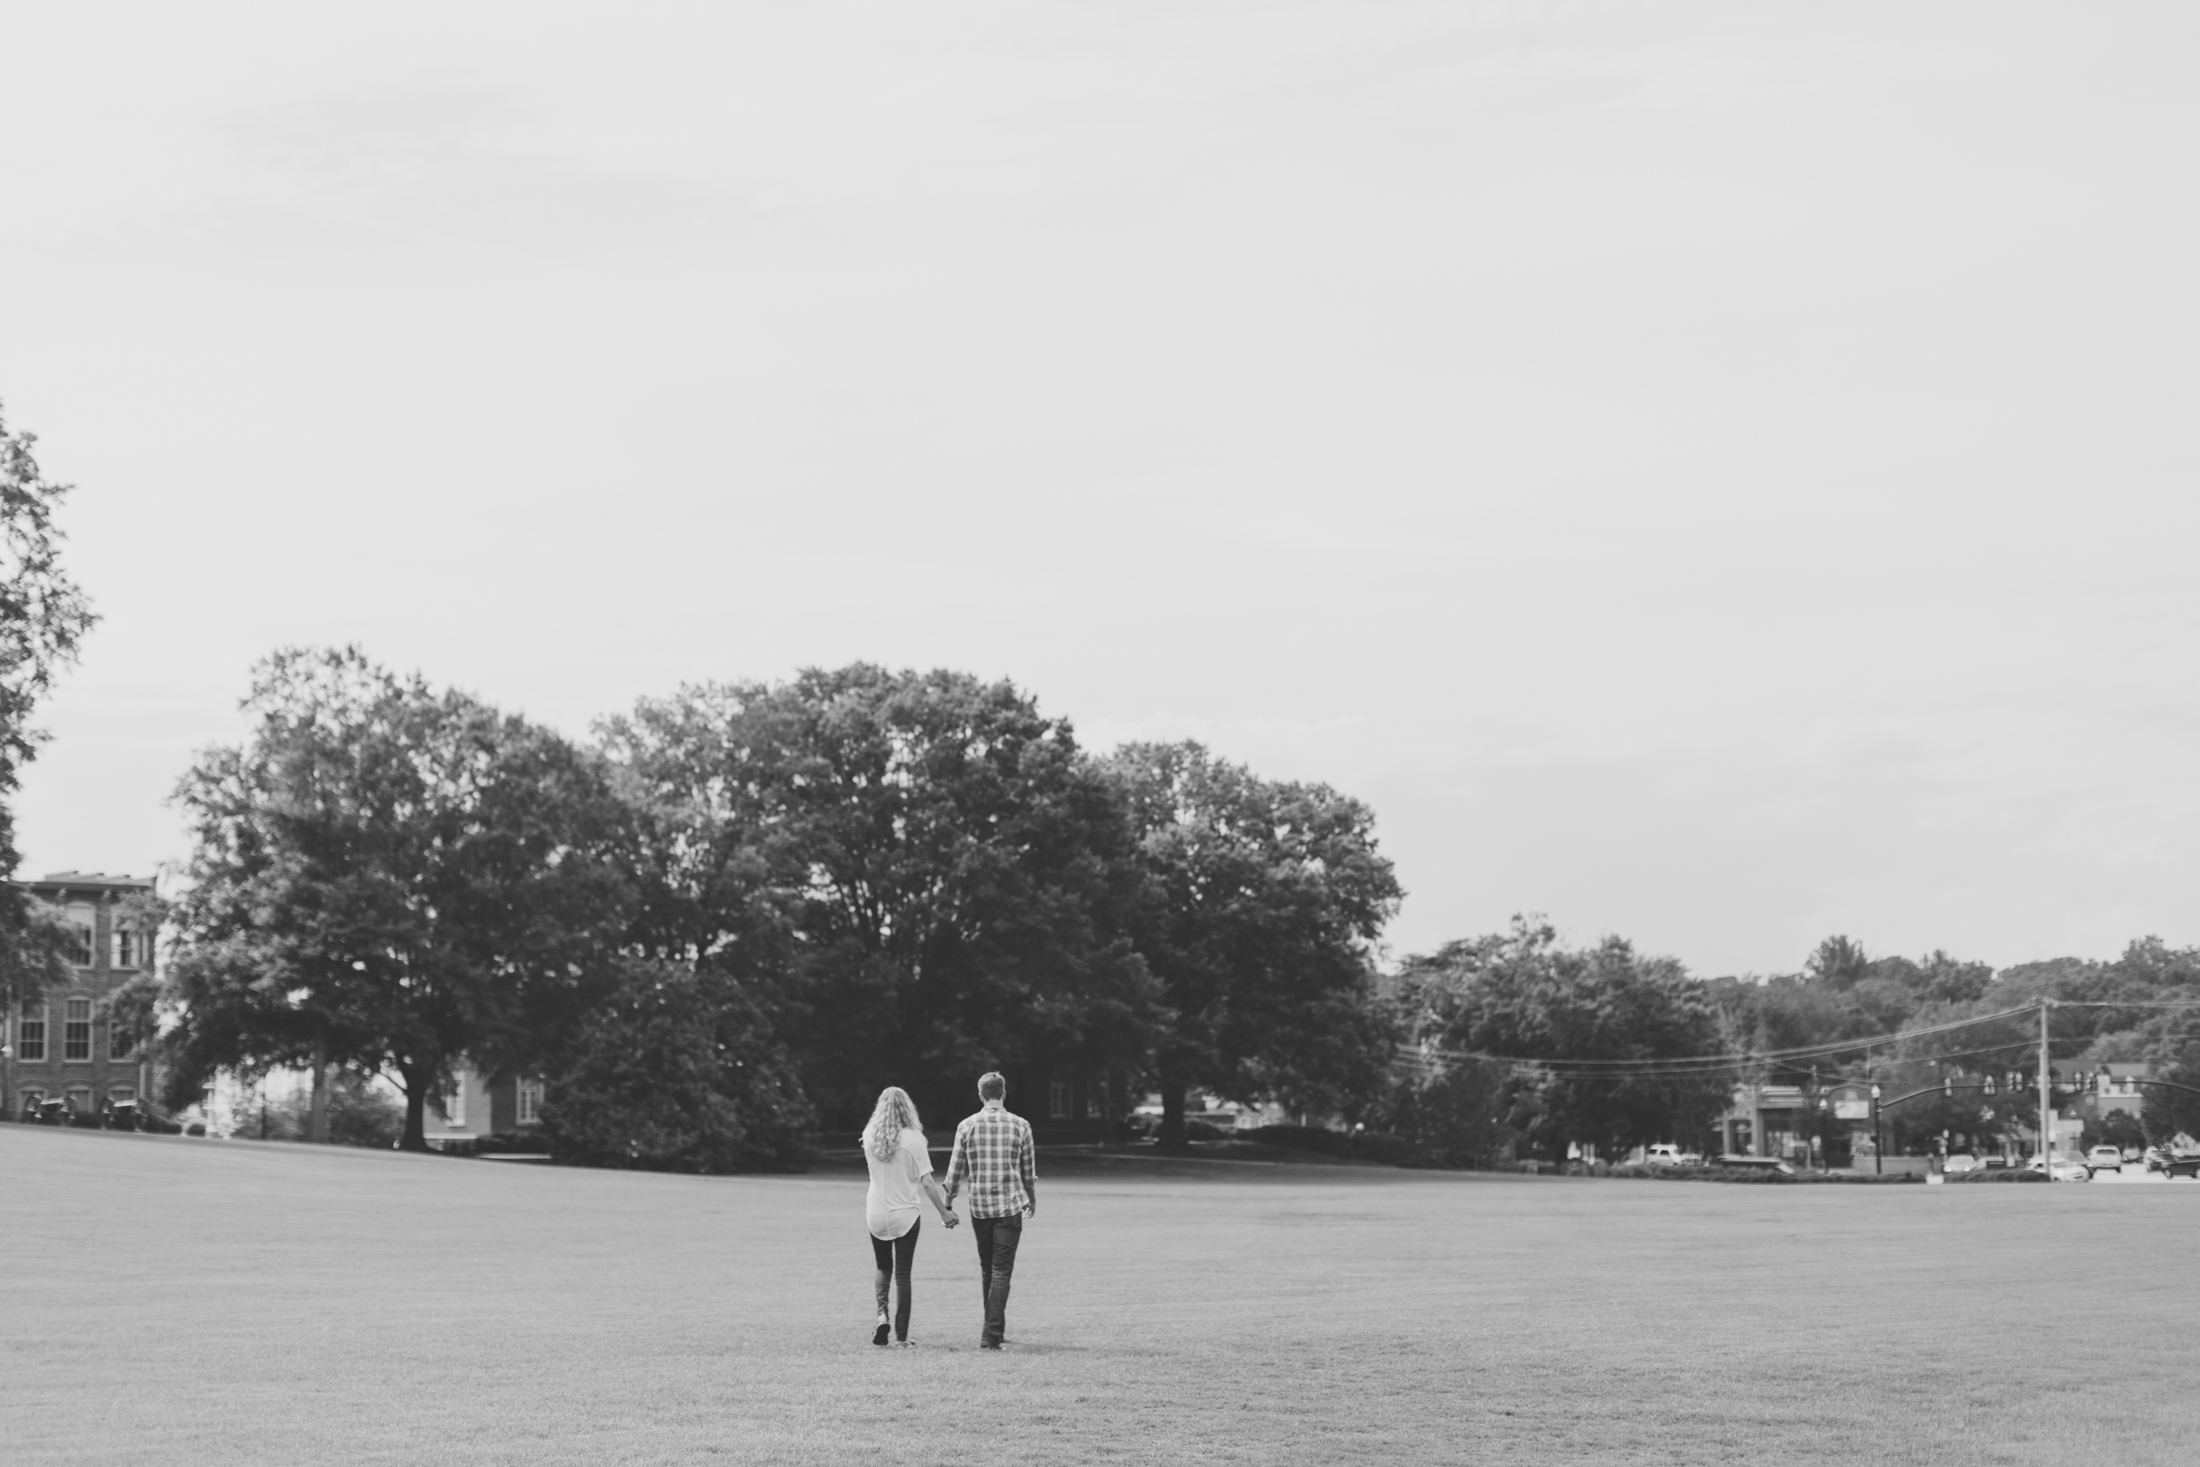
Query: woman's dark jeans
column 893, row 1256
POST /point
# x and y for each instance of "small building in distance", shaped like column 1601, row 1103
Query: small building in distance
column 63, row 1047
column 2118, row 1089
column 477, row 1107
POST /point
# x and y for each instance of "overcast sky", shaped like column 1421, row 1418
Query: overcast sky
column 1718, row 473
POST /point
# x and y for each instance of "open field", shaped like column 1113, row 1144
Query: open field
column 190, row 1302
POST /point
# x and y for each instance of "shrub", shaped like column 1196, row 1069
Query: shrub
column 1455, row 1118
column 677, row 1071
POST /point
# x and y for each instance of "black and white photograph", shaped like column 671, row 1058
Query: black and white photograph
column 1505, row 688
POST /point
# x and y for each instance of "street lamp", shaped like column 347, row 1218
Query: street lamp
column 1825, row 1158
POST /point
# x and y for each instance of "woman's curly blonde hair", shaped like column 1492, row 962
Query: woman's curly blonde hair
column 894, row 1114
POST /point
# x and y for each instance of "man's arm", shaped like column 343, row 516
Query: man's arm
column 1027, row 1167
column 956, row 1165
column 939, row 1200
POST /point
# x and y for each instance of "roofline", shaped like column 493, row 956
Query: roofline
column 87, row 883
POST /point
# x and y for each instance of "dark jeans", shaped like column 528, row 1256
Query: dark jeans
column 893, row 1256
column 997, row 1240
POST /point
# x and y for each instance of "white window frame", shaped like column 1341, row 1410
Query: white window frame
column 1061, row 1096
column 453, row 1103
column 34, row 1018
column 69, row 1021
column 527, row 1103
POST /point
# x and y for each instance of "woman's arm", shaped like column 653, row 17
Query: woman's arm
column 939, row 1198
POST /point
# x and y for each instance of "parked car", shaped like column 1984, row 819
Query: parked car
column 2061, row 1168
column 1958, row 1164
column 2104, row 1159
column 1665, row 1155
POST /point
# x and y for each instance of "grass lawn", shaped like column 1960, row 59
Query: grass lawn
column 185, row 1301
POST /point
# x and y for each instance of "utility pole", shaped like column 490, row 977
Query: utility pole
column 2047, row 1101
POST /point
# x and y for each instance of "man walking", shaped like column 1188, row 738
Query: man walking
column 993, row 1154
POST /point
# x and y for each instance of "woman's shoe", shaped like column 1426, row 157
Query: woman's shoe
column 885, row 1328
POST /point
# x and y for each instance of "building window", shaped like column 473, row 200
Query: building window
column 82, row 926
column 80, row 1100
column 122, row 1094
column 129, row 952
column 454, row 1103
column 529, row 1107
column 76, row 1031
column 121, row 1043
column 32, row 1048
column 1058, row 1100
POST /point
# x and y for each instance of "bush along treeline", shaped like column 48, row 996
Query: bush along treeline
column 717, row 928
column 740, row 911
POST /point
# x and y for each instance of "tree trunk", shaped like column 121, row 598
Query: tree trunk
column 1173, row 1086
column 417, row 1080
column 317, row 1118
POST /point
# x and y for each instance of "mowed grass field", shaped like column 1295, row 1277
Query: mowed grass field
column 193, row 1302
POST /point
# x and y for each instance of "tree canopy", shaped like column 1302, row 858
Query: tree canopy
column 391, row 877
column 1598, row 1011
column 44, row 615
column 917, row 876
column 1260, row 908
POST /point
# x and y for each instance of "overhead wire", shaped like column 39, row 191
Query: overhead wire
column 1705, row 1063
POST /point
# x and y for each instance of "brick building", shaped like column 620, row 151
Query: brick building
column 62, row 1047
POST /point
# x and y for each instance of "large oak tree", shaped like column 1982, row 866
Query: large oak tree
column 1261, row 903
column 388, row 876
column 917, row 876
column 43, row 617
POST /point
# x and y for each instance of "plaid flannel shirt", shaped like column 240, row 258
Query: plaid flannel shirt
column 993, row 1155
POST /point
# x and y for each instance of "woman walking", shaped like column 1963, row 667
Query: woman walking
column 901, row 1182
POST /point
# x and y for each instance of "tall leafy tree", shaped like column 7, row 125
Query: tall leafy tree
column 43, row 617
column 916, row 875
column 391, row 877
column 1599, row 1011
column 1261, row 907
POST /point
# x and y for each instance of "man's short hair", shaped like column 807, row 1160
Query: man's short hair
column 992, row 1085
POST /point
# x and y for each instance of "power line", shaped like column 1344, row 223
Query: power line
column 1711, row 1063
